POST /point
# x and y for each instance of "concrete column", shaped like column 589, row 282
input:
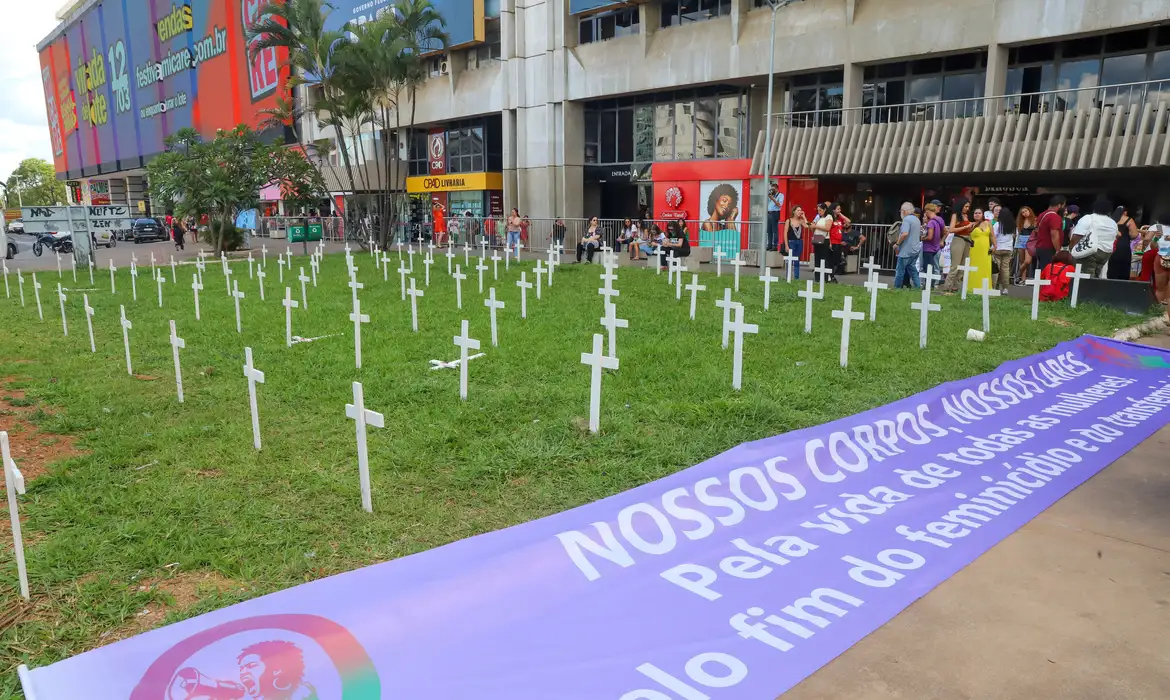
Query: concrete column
column 854, row 90
column 510, row 148
column 649, row 17
column 996, row 81
column 571, row 143
column 739, row 11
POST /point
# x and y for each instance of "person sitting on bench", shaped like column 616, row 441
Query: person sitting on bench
column 591, row 241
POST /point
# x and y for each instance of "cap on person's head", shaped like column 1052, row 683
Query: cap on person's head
column 917, row 211
column 936, row 203
column 1073, row 209
column 1164, row 247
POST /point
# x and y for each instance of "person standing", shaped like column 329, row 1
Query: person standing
column 932, row 239
column 439, row 221
column 525, row 225
column 1005, row 240
column 1025, row 227
column 774, row 201
column 907, row 247
column 960, row 246
column 513, row 227
column 558, row 230
column 794, row 237
column 1071, row 213
column 820, row 238
column 1093, row 239
column 178, row 233
column 841, row 224
column 982, row 247
column 1049, row 232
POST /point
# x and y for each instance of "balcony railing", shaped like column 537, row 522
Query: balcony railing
column 1109, row 126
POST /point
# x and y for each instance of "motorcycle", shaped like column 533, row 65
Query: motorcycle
column 56, row 242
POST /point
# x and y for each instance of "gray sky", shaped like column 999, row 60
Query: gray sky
column 24, row 130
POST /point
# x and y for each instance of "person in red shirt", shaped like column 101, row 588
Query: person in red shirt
column 1057, row 273
column 440, row 224
column 841, row 224
column 1049, row 232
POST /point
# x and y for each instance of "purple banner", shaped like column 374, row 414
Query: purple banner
column 734, row 579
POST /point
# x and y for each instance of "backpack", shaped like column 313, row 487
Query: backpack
column 893, row 233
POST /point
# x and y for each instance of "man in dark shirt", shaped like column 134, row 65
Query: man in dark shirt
column 1049, row 232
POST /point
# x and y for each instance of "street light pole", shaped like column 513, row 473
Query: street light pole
column 775, row 5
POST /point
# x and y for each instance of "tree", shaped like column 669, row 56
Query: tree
column 224, row 176
column 35, row 183
column 421, row 27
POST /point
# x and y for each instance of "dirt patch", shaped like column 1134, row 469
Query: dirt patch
column 146, row 377
column 182, row 590
column 32, row 450
column 1059, row 322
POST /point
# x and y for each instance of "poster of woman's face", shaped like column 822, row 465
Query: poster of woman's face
column 721, row 204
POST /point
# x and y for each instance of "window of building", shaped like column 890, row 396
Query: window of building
column 417, row 153
column 489, row 50
column 679, row 12
column 709, row 123
column 815, row 96
column 929, row 88
column 608, row 25
column 491, row 9
column 473, row 146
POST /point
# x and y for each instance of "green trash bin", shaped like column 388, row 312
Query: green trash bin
column 316, row 232
column 296, row 234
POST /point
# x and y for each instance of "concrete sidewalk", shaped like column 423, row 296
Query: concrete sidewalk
column 1073, row 606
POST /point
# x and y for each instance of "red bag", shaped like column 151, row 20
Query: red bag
column 1057, row 274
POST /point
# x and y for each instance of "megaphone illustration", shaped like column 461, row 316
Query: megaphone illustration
column 190, row 684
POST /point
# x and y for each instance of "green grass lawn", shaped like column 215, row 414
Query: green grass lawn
column 442, row 469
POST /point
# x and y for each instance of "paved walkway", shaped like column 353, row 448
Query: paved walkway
column 1073, row 606
column 163, row 250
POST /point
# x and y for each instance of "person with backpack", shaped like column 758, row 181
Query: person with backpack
column 932, row 238
column 1056, row 272
column 1049, row 233
column 1093, row 239
column 907, row 247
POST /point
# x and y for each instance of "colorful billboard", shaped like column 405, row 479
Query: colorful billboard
column 464, row 18
column 128, row 73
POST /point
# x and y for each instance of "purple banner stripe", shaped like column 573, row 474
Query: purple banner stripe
column 734, row 579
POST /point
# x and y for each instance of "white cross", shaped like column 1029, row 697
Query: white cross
column 176, row 343
column 431, row 250
column 809, row 295
column 354, row 285
column 253, row 376
column 358, row 319
column 174, row 274
column 91, row 266
column 363, row 417
column 223, row 262
column 726, row 304
column 1036, row 283
column 304, row 281
column 925, row 307
column 481, row 268
column 719, row 256
column 398, row 245
column 37, row 294
column 459, row 277
column 349, row 265
column 250, row 262
column 200, row 268
column 196, row 285
column 466, row 253
column 113, row 288
column 822, row 271
column 1076, row 278
column 264, row 255
column 260, row 275
column 657, row 259
column 493, row 305
column 465, row 343
column 402, row 272
column 967, row 270
column 7, row 290
column 607, row 290
column 552, row 263
column 738, row 327
column 767, row 278
column 929, row 277
column 507, row 259
column 288, row 256
column 873, row 285
column 61, row 299
column 410, row 252
column 694, row 287
column 611, row 323
column 73, row 267
column 134, row 280
column 738, row 263
column 160, row 281
column 280, row 264
column 89, row 321
column 985, row 292
column 450, row 258
column 126, row 326
column 524, row 286
column 20, row 282
column 227, row 279
column 385, row 268
column 679, row 269
column 58, row 255
column 236, row 296
column 289, row 304
column 670, row 267
column 847, row 316
column 414, row 295
column 14, row 484
column 597, row 361
column 519, row 245
column 540, row 269
column 314, row 266
column 871, row 268
column 133, row 258
column 427, row 262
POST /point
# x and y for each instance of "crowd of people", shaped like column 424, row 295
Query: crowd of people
column 1005, row 248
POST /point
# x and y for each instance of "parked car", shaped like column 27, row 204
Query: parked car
column 147, row 230
column 16, row 226
column 104, row 238
column 17, row 243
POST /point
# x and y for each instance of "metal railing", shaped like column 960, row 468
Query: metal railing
column 332, row 227
column 1121, row 96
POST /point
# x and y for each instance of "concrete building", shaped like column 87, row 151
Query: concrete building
column 581, row 107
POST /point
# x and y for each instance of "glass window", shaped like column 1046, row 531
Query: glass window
column 1087, row 46
column 706, row 126
column 625, row 135
column 729, row 127
column 1077, row 74
column 607, row 27
column 585, row 31
column 1133, row 40
column 684, row 130
column 1118, row 70
column 670, row 14
column 963, row 86
column 644, row 134
column 491, row 8
column 609, row 136
column 627, row 22
column 804, row 100
column 1160, row 67
column 664, row 132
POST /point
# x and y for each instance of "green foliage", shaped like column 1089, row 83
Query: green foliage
column 224, row 176
column 37, row 184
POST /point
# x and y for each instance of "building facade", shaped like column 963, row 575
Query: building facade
column 594, row 108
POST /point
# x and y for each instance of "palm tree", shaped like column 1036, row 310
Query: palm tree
column 421, row 28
